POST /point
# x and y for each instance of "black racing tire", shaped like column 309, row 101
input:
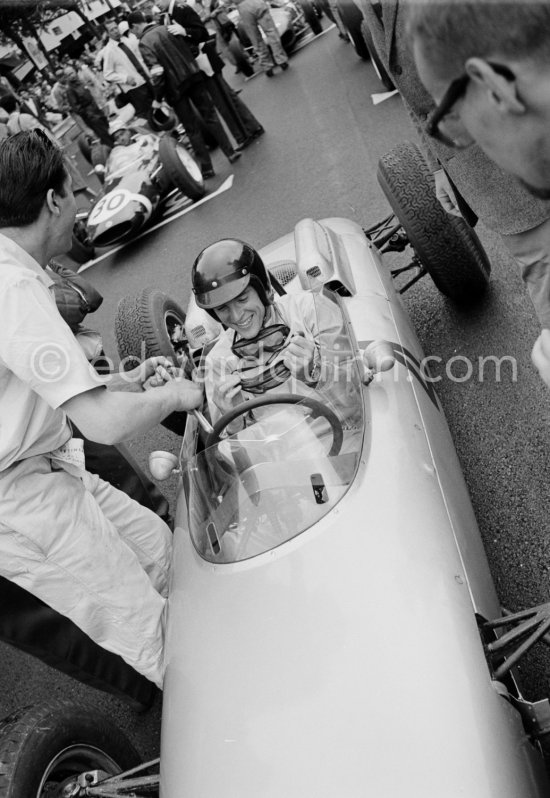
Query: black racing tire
column 81, row 250
column 145, row 325
column 242, row 61
column 181, row 168
column 353, row 19
column 44, row 748
column 446, row 245
column 311, row 16
column 379, row 67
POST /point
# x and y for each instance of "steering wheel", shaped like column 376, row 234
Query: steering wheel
column 318, row 410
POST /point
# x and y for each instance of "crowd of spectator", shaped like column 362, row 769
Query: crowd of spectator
column 117, row 70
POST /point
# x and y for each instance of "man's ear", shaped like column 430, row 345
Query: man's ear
column 52, row 202
column 502, row 90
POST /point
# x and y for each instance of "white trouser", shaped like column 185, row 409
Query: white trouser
column 91, row 553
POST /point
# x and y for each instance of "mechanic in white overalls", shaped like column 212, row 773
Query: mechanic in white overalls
column 66, row 536
column 277, row 336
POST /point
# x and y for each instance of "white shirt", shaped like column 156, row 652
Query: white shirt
column 117, row 67
column 41, row 364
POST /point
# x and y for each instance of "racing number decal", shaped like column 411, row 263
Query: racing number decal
column 113, row 202
column 108, row 206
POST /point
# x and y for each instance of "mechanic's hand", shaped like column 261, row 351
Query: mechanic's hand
column 299, row 357
column 541, row 355
column 188, row 395
column 445, row 194
column 156, row 104
column 131, row 81
column 227, row 392
column 163, row 371
column 140, row 376
column 176, row 29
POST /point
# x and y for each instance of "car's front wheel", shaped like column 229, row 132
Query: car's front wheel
column 311, row 16
column 446, row 245
column 149, row 324
column 81, row 249
column 180, row 168
column 45, row 748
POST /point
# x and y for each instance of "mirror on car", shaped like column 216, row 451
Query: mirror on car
column 162, row 465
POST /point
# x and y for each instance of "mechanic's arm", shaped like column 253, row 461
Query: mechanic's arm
column 112, row 416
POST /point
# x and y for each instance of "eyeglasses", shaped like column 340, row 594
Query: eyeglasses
column 456, row 90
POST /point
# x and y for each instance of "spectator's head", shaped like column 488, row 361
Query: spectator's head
column 231, row 283
column 34, row 178
column 136, row 21
column 487, row 65
column 111, row 26
column 122, row 135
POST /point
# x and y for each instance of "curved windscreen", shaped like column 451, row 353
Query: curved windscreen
column 293, row 457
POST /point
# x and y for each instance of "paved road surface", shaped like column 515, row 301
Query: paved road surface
column 318, row 158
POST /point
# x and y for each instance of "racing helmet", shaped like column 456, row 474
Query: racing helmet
column 161, row 118
column 224, row 269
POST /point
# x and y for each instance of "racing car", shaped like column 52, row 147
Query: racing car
column 137, row 177
column 334, row 629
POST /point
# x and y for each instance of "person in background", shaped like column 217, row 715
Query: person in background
column 89, row 77
column 126, row 70
column 182, row 20
column 82, row 103
column 176, row 75
column 256, row 18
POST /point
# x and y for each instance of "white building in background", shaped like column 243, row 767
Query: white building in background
column 68, row 24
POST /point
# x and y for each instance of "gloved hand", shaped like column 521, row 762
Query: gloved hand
column 541, row 356
column 445, row 194
column 176, row 29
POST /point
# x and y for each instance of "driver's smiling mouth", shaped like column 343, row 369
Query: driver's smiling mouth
column 246, row 324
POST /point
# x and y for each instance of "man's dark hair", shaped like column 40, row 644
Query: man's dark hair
column 452, row 31
column 9, row 103
column 135, row 17
column 30, row 165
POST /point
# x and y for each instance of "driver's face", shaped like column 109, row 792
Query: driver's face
column 244, row 314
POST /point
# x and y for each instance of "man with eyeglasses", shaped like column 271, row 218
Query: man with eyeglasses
column 460, row 165
column 487, row 66
column 270, row 343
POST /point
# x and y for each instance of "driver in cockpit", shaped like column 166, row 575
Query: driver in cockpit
column 271, row 341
